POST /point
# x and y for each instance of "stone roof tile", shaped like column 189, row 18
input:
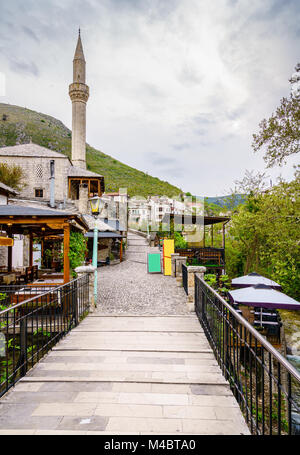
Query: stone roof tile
column 30, row 150
column 75, row 171
column 8, row 189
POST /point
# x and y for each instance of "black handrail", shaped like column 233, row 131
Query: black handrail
column 185, row 282
column 265, row 384
column 30, row 328
column 12, row 294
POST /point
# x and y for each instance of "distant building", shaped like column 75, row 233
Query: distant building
column 151, row 211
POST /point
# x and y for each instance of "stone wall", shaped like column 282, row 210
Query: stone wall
column 3, row 199
column 3, row 255
column 103, row 253
column 26, row 251
column 37, row 171
column 83, row 202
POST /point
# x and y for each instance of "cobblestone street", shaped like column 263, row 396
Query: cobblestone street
column 128, row 288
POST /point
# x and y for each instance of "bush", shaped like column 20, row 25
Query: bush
column 78, row 250
column 12, row 175
column 179, row 240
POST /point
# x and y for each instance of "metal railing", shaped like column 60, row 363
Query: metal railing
column 204, row 255
column 30, row 328
column 264, row 383
column 185, row 282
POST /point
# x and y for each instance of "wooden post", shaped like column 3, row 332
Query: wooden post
column 66, row 253
column 9, row 252
column 30, row 250
column 121, row 250
column 42, row 252
column 224, row 236
column 212, row 234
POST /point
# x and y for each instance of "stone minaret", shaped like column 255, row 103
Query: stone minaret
column 79, row 94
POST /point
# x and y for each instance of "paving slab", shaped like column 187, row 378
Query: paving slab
column 140, row 364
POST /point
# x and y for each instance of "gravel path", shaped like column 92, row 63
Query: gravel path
column 127, row 288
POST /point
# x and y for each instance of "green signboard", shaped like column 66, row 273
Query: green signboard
column 154, row 263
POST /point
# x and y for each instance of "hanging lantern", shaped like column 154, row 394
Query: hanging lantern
column 95, row 205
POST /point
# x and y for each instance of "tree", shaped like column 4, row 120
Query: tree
column 280, row 134
column 12, row 175
column 251, row 183
column 264, row 236
column 211, row 209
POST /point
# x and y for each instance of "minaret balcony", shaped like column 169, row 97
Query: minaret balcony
column 79, row 92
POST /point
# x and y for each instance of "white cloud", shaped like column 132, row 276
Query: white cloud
column 161, row 74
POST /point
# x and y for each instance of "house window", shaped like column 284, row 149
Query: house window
column 39, row 192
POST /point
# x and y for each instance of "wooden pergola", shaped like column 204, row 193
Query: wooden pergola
column 42, row 224
column 213, row 258
column 191, row 220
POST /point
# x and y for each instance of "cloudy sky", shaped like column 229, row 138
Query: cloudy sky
column 177, row 87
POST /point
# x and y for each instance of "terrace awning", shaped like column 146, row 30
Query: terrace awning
column 263, row 296
column 105, row 235
column 36, row 222
column 194, row 219
column 252, row 279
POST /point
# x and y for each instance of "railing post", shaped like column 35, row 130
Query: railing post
column 23, row 346
column 90, row 270
column 173, row 263
column 191, row 271
column 178, row 264
column 75, row 302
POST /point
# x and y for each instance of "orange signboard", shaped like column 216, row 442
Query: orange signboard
column 6, row 241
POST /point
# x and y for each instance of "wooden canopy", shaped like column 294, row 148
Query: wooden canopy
column 40, row 223
column 192, row 219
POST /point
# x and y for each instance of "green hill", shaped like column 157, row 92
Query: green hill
column 222, row 201
column 18, row 125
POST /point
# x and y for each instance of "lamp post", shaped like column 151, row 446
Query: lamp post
column 95, row 207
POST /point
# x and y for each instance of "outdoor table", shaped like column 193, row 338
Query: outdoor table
column 51, row 276
column 258, row 313
column 8, row 277
column 34, row 290
column 44, row 281
column 266, row 322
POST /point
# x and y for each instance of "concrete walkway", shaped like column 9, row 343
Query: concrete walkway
column 120, row 374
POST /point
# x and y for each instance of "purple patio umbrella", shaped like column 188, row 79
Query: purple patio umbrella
column 263, row 296
column 252, row 280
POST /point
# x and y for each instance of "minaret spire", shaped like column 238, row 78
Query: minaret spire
column 79, row 94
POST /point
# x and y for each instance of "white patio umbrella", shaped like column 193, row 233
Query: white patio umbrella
column 263, row 296
column 252, row 279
